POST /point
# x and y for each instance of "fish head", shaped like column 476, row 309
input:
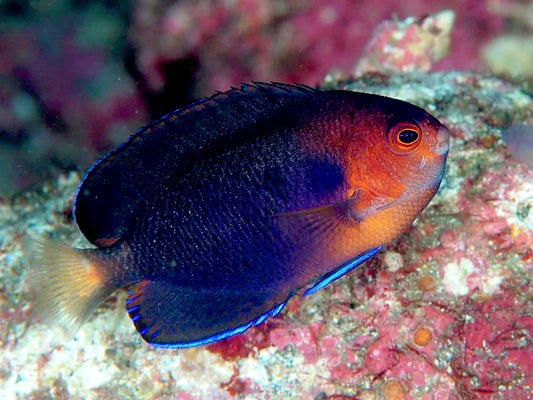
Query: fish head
column 401, row 152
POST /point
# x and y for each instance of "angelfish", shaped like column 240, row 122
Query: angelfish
column 215, row 215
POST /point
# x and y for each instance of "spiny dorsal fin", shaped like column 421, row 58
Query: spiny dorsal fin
column 253, row 89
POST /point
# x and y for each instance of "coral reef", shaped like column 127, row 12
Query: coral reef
column 443, row 313
column 511, row 53
column 286, row 41
column 77, row 77
column 410, row 45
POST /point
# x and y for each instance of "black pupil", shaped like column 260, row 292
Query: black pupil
column 408, row 136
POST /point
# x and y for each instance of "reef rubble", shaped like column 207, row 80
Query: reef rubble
column 445, row 312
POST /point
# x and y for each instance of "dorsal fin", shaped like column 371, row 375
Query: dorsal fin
column 158, row 154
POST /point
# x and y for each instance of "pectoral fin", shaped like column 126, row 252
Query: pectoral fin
column 316, row 224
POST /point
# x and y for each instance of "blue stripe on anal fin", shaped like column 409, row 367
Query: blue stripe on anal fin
column 327, row 279
column 272, row 313
column 207, row 340
column 262, row 319
column 232, row 332
column 229, row 333
column 276, row 310
column 167, row 315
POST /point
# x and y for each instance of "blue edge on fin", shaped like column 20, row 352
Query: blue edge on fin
column 226, row 334
column 277, row 309
column 342, row 270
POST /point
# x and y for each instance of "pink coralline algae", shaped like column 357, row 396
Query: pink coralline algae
column 291, row 41
column 498, row 345
column 443, row 313
column 410, row 45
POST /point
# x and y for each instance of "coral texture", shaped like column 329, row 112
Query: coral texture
column 442, row 313
column 235, row 41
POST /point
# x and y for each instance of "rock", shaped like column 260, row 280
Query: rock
column 327, row 344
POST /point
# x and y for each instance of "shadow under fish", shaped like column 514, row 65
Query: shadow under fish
column 215, row 215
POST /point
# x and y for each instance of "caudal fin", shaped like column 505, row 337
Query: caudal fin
column 68, row 285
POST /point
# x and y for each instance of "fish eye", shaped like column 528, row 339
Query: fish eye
column 408, row 136
column 404, row 136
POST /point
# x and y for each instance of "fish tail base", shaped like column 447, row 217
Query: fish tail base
column 68, row 285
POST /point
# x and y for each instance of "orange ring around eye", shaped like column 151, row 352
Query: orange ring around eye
column 404, row 136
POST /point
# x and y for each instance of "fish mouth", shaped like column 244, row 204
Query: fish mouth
column 443, row 141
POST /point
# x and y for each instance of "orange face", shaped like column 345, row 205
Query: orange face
column 398, row 157
column 393, row 155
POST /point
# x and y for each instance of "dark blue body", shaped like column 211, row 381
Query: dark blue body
column 195, row 201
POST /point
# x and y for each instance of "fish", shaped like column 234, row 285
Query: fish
column 214, row 216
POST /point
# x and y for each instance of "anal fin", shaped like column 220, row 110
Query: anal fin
column 169, row 315
column 342, row 270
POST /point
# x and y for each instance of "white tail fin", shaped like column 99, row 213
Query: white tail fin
column 68, row 285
